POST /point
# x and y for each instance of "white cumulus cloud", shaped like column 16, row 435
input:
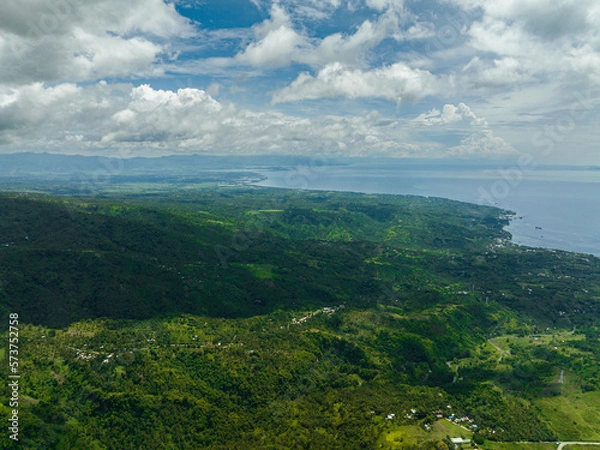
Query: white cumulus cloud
column 278, row 41
column 65, row 40
column 143, row 120
column 397, row 82
column 478, row 138
column 274, row 49
column 450, row 114
column 534, row 38
column 482, row 143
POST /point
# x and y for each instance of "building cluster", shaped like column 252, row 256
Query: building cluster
column 329, row 310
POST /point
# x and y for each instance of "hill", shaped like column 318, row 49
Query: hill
column 263, row 318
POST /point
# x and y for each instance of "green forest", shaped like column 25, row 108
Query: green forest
column 239, row 317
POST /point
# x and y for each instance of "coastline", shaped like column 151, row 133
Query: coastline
column 550, row 214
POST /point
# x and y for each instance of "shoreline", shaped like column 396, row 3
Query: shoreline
column 524, row 230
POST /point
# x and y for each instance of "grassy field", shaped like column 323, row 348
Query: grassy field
column 261, row 271
column 573, row 418
column 398, row 437
column 581, row 447
column 515, row 446
column 559, row 338
column 573, row 415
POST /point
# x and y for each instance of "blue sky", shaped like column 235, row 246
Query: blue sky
column 467, row 79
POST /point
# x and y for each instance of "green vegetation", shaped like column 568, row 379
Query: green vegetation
column 250, row 318
column 519, row 446
column 574, row 416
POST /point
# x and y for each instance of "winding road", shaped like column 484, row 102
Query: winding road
column 500, row 350
column 561, row 445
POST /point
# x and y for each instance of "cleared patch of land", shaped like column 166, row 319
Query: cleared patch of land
column 574, row 416
column 518, row 446
column 398, row 437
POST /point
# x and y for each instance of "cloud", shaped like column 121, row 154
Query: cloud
column 450, row 114
column 77, row 41
column 397, row 82
column 519, row 63
column 214, row 89
column 29, row 104
column 380, row 5
column 124, row 119
column 274, row 49
column 145, row 121
column 155, row 116
column 351, row 48
column 496, row 73
column 540, row 18
column 191, row 120
column 535, row 39
column 38, row 115
column 525, row 60
column 482, row 143
column 277, row 42
column 477, row 139
column 313, row 10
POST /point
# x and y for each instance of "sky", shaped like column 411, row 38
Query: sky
column 457, row 79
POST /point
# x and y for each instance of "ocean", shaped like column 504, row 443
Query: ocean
column 556, row 207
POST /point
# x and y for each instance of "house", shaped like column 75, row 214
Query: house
column 459, row 441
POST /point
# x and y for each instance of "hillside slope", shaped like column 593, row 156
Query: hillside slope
column 256, row 318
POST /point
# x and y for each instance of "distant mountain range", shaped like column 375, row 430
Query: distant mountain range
column 21, row 164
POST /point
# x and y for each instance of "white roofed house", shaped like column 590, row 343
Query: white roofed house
column 458, row 442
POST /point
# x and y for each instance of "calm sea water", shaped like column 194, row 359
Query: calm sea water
column 560, row 208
